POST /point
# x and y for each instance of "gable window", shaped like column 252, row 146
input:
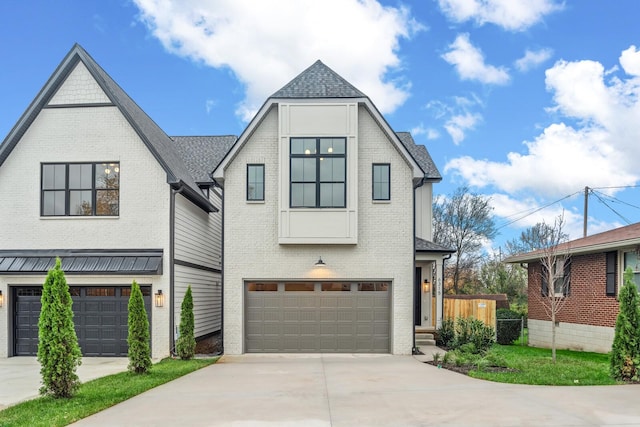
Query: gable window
column 318, row 172
column 561, row 278
column 631, row 259
column 255, row 182
column 381, row 181
column 80, row 189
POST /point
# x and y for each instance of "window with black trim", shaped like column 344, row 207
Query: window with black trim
column 318, row 172
column 80, row 189
column 255, row 182
column 381, row 181
column 561, row 278
column 612, row 264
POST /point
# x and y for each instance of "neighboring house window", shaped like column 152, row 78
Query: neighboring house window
column 255, row 182
column 381, row 181
column 561, row 278
column 80, row 189
column 318, row 172
column 612, row 263
column 632, row 260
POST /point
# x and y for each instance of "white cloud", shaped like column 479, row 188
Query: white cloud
column 532, row 59
column 512, row 15
column 469, row 63
column 209, row 104
column 457, row 125
column 630, row 61
column 596, row 150
column 265, row 45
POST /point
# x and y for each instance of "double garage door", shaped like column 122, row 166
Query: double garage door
column 312, row 317
column 100, row 318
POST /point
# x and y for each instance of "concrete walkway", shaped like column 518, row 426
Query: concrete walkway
column 20, row 376
column 358, row 390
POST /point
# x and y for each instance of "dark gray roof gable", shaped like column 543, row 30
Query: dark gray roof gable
column 202, row 154
column 421, row 155
column 318, row 81
column 155, row 139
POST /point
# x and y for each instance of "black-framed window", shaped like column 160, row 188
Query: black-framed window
column 80, row 189
column 318, row 172
column 381, row 177
column 255, row 182
column 612, row 273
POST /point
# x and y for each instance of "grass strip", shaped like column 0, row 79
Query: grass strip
column 97, row 395
column 534, row 366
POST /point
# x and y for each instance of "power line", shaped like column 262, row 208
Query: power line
column 535, row 210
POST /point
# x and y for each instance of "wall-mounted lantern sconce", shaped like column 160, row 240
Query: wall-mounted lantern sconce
column 320, row 263
column 426, row 286
column 159, row 298
column 1, row 299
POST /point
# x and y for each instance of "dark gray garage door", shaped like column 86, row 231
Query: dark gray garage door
column 306, row 317
column 100, row 317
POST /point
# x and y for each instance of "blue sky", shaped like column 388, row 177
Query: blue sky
column 525, row 101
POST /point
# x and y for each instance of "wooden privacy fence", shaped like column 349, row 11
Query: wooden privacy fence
column 481, row 309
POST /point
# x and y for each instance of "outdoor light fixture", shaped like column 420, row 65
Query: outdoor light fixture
column 1, row 299
column 159, row 298
column 320, row 263
column 427, row 285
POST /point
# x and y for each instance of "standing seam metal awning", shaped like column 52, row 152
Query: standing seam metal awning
column 116, row 262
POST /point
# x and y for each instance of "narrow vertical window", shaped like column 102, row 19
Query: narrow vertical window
column 381, row 181
column 255, row 182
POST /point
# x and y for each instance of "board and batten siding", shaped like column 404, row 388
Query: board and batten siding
column 197, row 258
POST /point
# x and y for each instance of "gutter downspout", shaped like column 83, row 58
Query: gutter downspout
column 443, row 262
column 215, row 184
column 414, row 349
column 172, row 236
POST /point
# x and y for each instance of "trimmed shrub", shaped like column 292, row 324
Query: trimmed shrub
column 509, row 329
column 446, row 333
column 138, row 338
column 625, row 351
column 470, row 330
column 58, row 351
column 186, row 343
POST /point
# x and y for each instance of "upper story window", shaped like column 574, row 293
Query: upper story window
column 255, row 182
column 381, row 181
column 631, row 259
column 318, row 172
column 80, row 189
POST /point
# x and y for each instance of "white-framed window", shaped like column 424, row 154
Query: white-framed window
column 561, row 278
column 632, row 259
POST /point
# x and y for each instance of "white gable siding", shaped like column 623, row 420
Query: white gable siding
column 79, row 88
column 198, row 242
column 385, row 232
column 424, row 212
column 87, row 134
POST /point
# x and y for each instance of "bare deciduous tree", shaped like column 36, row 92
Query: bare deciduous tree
column 554, row 272
column 463, row 222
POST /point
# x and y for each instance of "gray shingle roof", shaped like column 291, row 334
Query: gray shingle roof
column 318, row 81
column 202, row 154
column 421, row 156
column 154, row 138
column 427, row 246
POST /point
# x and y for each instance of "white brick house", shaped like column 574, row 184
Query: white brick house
column 318, row 174
column 87, row 176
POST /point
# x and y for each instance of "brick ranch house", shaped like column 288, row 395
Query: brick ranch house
column 597, row 263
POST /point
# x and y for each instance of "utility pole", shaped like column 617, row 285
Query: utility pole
column 586, row 211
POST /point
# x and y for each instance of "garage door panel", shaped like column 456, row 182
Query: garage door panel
column 302, row 317
column 100, row 319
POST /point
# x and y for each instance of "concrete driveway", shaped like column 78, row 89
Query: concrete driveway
column 358, row 390
column 20, row 376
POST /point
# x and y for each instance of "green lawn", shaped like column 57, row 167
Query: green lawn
column 97, row 395
column 534, row 366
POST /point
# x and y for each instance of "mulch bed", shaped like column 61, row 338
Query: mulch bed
column 465, row 369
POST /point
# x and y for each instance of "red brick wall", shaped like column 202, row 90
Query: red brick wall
column 588, row 303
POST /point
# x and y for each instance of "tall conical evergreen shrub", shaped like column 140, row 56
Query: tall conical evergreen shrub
column 138, row 338
column 58, row 351
column 186, row 344
column 625, row 351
